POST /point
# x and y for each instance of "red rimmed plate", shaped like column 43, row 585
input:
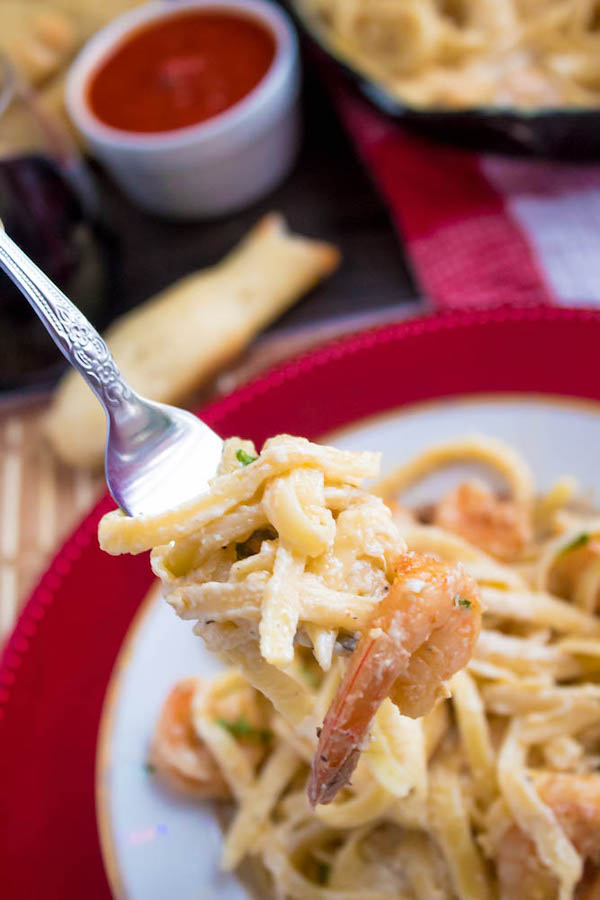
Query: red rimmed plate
column 56, row 667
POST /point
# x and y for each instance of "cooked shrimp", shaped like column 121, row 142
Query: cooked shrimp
column 183, row 759
column 575, row 801
column 179, row 756
column 500, row 527
column 422, row 632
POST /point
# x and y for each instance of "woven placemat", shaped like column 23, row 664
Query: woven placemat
column 41, row 500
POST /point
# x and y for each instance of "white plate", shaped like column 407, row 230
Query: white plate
column 156, row 844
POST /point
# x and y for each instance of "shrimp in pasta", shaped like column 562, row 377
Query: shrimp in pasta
column 421, row 633
column 495, row 792
column 575, row 802
column 500, row 527
column 180, row 754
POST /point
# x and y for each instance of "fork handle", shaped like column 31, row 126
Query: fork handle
column 74, row 335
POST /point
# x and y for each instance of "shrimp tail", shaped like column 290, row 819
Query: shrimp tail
column 423, row 630
column 322, row 789
column 340, row 746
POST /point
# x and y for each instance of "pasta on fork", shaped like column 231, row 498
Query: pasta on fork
column 287, row 549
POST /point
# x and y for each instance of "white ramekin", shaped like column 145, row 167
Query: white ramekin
column 217, row 166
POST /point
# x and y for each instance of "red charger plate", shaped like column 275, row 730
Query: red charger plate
column 56, row 666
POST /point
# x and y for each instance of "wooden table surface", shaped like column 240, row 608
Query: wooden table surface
column 328, row 196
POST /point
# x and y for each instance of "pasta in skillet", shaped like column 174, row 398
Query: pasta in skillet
column 465, row 53
column 493, row 793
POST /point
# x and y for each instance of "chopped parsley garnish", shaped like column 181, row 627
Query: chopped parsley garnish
column 241, row 728
column 459, row 600
column 580, row 541
column 323, row 872
column 245, row 458
column 150, row 768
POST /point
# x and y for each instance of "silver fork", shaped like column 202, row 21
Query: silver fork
column 157, row 456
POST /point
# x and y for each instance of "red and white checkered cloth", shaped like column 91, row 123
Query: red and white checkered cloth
column 484, row 230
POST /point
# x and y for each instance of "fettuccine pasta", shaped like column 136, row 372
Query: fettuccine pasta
column 494, row 793
column 466, row 53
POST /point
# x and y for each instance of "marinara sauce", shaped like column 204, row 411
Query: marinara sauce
column 180, row 71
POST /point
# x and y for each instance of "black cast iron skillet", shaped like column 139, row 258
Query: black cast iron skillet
column 566, row 133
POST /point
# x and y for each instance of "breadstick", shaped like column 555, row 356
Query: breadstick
column 169, row 345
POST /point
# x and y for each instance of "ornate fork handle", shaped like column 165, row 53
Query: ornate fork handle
column 71, row 331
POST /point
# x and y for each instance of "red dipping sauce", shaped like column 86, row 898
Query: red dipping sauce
column 180, row 71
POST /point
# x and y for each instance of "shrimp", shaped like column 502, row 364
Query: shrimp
column 500, row 527
column 178, row 754
column 422, row 632
column 575, row 801
column 182, row 758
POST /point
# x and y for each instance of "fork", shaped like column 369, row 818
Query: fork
column 157, row 456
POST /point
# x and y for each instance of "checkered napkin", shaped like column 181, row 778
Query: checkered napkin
column 484, row 230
